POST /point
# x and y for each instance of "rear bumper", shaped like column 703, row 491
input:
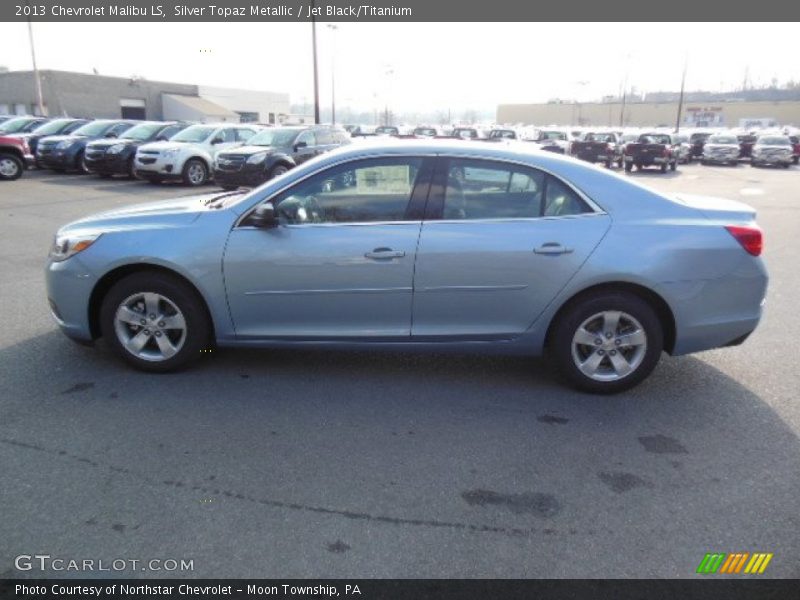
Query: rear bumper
column 646, row 160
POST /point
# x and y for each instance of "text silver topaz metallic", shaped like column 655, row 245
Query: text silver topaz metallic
column 437, row 245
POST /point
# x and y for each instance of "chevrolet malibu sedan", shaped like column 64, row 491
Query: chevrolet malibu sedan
column 429, row 245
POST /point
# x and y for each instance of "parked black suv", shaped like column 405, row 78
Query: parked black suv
column 66, row 152
column 274, row 151
column 108, row 157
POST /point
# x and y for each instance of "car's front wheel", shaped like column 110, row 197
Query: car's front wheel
column 195, row 172
column 606, row 342
column 154, row 321
column 11, row 167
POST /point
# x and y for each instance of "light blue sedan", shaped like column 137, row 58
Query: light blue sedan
column 435, row 245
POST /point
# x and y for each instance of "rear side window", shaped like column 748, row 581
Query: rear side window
column 477, row 189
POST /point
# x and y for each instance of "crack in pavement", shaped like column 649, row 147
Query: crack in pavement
column 354, row 515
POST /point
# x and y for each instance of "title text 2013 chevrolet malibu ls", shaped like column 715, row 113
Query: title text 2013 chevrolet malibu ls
column 420, row 245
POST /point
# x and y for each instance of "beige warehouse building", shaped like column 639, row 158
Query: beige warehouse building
column 649, row 114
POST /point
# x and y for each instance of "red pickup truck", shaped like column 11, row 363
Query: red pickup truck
column 14, row 156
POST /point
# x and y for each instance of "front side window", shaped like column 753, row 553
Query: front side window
column 120, row 128
column 242, row 135
column 477, row 189
column 365, row 191
column 307, row 137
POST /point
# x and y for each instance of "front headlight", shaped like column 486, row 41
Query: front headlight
column 68, row 245
column 116, row 149
column 257, row 158
column 64, row 145
column 170, row 152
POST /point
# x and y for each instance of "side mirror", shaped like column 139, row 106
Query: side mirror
column 299, row 145
column 162, row 138
column 264, row 217
column 111, row 134
column 217, row 140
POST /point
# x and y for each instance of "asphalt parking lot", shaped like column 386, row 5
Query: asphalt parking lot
column 317, row 464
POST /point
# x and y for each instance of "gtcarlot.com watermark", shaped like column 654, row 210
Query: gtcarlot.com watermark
column 46, row 562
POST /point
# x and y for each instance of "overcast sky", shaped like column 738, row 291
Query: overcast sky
column 422, row 66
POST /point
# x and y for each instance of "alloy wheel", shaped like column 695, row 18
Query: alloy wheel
column 609, row 346
column 150, row 326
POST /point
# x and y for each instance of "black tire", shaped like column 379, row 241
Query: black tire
column 608, row 164
column 795, row 159
column 753, row 163
column 197, row 331
column 663, row 167
column 785, row 165
column 628, row 167
column 132, row 169
column 577, row 312
column 11, row 167
column 229, row 188
column 277, row 170
column 192, row 166
column 154, row 180
column 673, row 165
column 80, row 164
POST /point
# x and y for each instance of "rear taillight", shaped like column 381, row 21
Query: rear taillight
column 750, row 237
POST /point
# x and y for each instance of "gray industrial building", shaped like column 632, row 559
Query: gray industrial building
column 71, row 94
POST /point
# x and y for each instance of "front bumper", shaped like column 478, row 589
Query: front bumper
column 720, row 158
column 56, row 159
column 246, row 175
column 772, row 160
column 157, row 167
column 108, row 164
column 69, row 288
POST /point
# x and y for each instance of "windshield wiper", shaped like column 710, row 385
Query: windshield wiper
column 215, row 199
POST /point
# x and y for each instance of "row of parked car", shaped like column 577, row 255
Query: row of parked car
column 233, row 154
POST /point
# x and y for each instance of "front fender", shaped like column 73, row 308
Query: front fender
column 279, row 158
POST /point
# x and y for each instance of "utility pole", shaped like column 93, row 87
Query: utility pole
column 680, row 100
column 37, row 78
column 316, row 72
column 333, row 29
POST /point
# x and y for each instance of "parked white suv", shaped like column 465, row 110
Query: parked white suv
column 189, row 155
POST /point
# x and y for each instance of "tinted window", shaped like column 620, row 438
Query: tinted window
column 561, row 201
column 488, row 190
column 242, row 135
column 361, row 192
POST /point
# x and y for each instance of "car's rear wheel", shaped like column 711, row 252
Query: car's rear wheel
column 154, row 321
column 673, row 165
column 11, row 167
column 664, row 167
column 607, row 342
column 195, row 172
column 628, row 167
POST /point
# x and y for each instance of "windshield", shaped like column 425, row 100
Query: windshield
column 502, row 133
column 93, row 128
column 654, row 138
column 722, row 139
column 193, row 134
column 52, row 127
column 553, row 135
column 142, row 132
column 599, row 137
column 775, row 141
column 273, row 137
column 15, row 125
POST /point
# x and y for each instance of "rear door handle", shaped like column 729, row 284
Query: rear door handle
column 383, row 253
column 552, row 248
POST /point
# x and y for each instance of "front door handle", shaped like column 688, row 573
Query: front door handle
column 383, row 253
column 552, row 248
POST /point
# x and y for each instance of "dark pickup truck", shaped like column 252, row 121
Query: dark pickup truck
column 603, row 147
column 652, row 149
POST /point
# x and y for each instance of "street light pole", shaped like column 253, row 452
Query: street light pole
column 39, row 100
column 680, row 101
column 333, row 29
column 316, row 72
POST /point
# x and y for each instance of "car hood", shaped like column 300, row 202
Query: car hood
column 167, row 145
column 772, row 147
column 731, row 146
column 250, row 150
column 61, row 138
column 166, row 213
column 108, row 142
